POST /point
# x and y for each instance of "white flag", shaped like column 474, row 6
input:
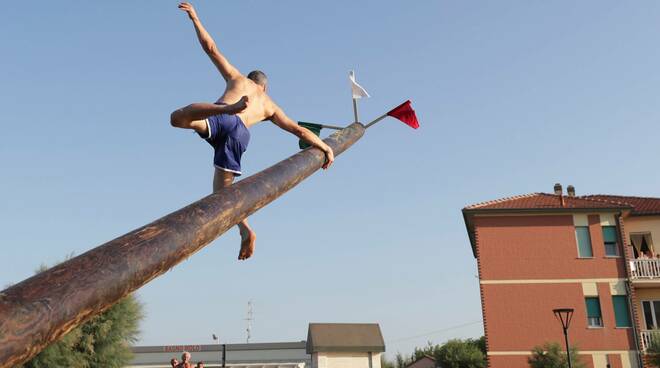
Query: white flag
column 358, row 91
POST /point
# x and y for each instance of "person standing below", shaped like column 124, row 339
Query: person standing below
column 174, row 363
column 185, row 360
column 224, row 124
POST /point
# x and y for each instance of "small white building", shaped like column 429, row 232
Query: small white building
column 345, row 345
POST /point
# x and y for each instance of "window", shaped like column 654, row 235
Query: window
column 621, row 314
column 583, row 241
column 651, row 314
column 609, row 237
column 594, row 318
column 642, row 244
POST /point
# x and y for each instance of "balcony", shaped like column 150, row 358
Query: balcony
column 648, row 336
column 645, row 272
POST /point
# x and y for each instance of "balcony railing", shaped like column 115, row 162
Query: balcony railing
column 648, row 336
column 645, row 268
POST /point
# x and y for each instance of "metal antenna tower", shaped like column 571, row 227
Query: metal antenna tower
column 249, row 321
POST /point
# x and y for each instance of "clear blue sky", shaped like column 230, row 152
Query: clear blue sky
column 511, row 96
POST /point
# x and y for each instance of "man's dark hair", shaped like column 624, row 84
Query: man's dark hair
column 258, row 77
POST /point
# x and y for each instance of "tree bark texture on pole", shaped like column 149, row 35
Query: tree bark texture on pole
column 39, row 310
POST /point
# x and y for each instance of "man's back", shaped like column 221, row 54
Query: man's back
column 260, row 106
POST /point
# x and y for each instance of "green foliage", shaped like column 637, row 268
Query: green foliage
column 400, row 361
column 653, row 350
column 385, row 363
column 480, row 343
column 455, row 353
column 101, row 342
column 551, row 355
column 461, row 354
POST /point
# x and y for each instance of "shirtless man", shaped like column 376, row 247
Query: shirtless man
column 224, row 124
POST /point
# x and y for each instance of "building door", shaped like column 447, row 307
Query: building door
column 651, row 314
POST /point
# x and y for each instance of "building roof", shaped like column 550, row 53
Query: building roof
column 425, row 361
column 218, row 347
column 344, row 337
column 546, row 202
column 642, row 206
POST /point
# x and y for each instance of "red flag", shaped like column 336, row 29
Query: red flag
column 406, row 114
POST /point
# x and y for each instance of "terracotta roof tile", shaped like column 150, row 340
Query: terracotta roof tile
column 641, row 205
column 540, row 201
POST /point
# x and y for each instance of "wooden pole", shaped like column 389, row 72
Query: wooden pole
column 39, row 310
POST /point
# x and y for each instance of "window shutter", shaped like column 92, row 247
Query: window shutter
column 609, row 234
column 584, row 241
column 593, row 308
column 621, row 314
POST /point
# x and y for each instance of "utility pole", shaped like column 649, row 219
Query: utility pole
column 249, row 321
column 223, row 356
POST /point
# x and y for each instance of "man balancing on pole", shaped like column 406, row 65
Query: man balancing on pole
column 224, row 124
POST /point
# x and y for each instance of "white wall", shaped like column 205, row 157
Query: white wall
column 345, row 360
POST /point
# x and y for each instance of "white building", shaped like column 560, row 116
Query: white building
column 345, row 345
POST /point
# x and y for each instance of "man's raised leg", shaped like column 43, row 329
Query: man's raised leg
column 183, row 117
column 222, row 179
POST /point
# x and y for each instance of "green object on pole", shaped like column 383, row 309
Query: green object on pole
column 314, row 128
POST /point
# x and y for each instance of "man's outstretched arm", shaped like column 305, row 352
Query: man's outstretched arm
column 281, row 120
column 227, row 70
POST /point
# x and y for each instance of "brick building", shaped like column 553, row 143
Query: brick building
column 595, row 254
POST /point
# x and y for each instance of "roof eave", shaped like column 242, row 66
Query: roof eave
column 542, row 210
column 633, row 214
column 470, row 231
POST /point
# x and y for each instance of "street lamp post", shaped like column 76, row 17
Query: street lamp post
column 223, row 356
column 564, row 315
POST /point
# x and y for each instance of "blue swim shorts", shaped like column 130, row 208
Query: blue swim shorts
column 229, row 137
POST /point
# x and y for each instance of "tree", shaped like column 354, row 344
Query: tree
column 102, row 342
column 400, row 361
column 458, row 353
column 385, row 363
column 653, row 350
column 480, row 343
column 550, row 355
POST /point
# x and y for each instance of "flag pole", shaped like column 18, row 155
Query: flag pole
column 376, row 120
column 335, row 127
column 331, row 127
column 403, row 112
column 355, row 108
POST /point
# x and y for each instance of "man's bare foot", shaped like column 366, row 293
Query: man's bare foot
column 247, row 245
column 239, row 106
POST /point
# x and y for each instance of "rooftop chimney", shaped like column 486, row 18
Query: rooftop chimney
column 570, row 190
column 558, row 190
